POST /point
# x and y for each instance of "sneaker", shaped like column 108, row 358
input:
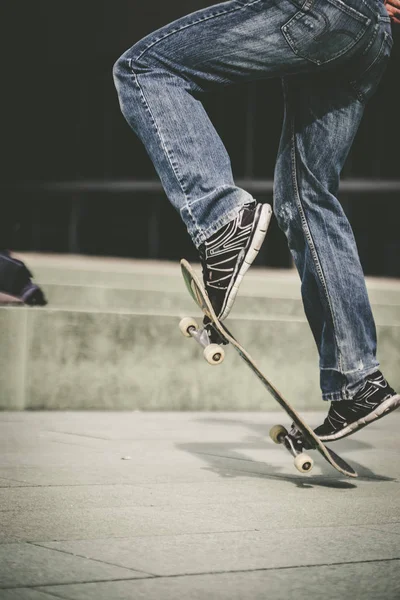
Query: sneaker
column 32, row 295
column 16, row 284
column 375, row 400
column 228, row 253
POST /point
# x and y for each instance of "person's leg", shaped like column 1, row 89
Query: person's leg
column 160, row 81
column 321, row 120
column 322, row 115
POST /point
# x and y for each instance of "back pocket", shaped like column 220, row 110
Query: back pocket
column 324, row 30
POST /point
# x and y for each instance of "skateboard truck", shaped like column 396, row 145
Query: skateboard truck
column 213, row 353
column 295, row 445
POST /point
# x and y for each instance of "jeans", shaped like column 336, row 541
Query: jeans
column 330, row 55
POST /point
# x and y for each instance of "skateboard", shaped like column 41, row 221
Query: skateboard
column 301, row 437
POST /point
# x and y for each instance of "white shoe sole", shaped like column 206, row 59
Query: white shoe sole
column 256, row 241
column 382, row 410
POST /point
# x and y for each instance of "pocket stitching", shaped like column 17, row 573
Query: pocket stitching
column 340, row 6
column 350, row 11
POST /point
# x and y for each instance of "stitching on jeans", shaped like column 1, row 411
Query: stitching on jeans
column 372, row 40
column 360, row 95
column 187, row 25
column 367, row 6
column 232, row 214
column 300, row 15
column 309, row 238
column 156, row 41
column 216, row 189
column 168, row 153
column 350, row 11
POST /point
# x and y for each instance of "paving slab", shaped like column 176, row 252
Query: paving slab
column 391, row 529
column 244, row 550
column 73, row 523
column 68, row 523
column 8, row 483
column 31, row 565
column 91, row 502
column 360, row 581
column 175, row 494
column 26, row 594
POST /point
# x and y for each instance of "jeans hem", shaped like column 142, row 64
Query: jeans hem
column 348, row 394
column 201, row 237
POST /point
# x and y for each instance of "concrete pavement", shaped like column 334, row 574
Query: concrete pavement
column 162, row 506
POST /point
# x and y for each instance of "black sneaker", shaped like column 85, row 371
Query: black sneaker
column 226, row 255
column 33, row 295
column 16, row 283
column 375, row 400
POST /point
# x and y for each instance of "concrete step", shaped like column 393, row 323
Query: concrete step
column 163, row 275
column 87, row 283
column 75, row 359
column 105, row 298
column 109, row 339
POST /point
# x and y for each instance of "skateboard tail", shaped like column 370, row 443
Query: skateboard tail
column 341, row 465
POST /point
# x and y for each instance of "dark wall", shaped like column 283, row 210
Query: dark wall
column 60, row 120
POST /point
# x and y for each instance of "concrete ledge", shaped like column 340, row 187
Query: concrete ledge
column 110, row 284
column 131, row 300
column 109, row 339
column 65, row 359
column 13, row 358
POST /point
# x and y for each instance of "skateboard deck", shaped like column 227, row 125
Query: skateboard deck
column 295, row 443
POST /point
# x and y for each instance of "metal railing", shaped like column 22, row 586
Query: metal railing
column 263, row 186
column 79, row 191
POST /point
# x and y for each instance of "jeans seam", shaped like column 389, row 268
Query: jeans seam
column 353, row 83
column 168, row 153
column 310, row 241
column 187, row 25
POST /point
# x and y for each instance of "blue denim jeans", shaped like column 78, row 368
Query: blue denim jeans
column 330, row 55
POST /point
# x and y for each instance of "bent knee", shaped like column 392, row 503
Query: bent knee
column 136, row 61
column 120, row 68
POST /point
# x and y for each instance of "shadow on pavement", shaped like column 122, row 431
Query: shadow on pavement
column 227, row 460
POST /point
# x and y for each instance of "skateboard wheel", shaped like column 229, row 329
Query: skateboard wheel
column 303, row 463
column 277, row 433
column 214, row 354
column 185, row 324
